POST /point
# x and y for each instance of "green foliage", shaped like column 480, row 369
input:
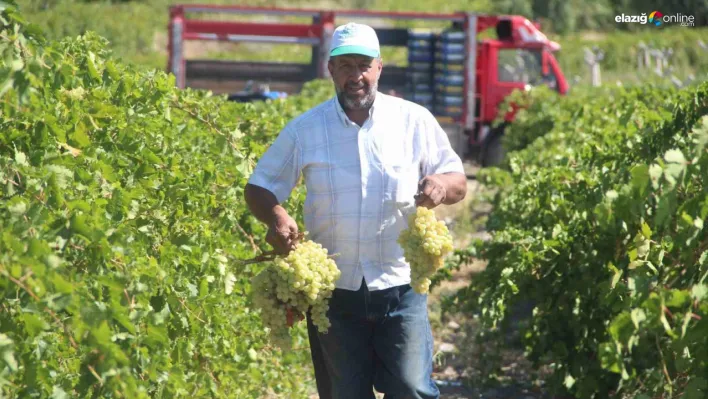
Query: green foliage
column 536, row 114
column 599, row 223
column 122, row 221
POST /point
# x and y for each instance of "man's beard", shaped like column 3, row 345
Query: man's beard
column 356, row 103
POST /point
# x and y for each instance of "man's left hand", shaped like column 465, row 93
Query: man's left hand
column 431, row 192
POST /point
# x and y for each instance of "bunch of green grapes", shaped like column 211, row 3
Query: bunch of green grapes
column 303, row 281
column 425, row 244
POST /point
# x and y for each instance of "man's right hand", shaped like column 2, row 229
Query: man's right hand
column 282, row 233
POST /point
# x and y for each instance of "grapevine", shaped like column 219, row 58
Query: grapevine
column 425, row 244
column 121, row 209
column 598, row 222
column 303, row 281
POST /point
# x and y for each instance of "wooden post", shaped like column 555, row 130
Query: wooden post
column 592, row 59
column 658, row 55
column 667, row 55
column 643, row 56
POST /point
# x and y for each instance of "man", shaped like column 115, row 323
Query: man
column 367, row 159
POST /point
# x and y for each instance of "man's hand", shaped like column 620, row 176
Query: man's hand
column 282, row 234
column 431, row 192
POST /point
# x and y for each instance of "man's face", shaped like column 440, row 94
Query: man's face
column 356, row 79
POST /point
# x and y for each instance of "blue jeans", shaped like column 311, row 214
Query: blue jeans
column 378, row 339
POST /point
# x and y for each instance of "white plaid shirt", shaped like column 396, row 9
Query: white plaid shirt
column 360, row 181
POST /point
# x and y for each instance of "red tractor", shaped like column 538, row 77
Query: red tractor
column 459, row 77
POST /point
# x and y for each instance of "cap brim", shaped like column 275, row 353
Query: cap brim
column 361, row 50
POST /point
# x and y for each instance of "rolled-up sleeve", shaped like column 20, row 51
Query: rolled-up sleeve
column 278, row 170
column 439, row 157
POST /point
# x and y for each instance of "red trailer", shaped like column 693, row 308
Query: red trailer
column 459, row 76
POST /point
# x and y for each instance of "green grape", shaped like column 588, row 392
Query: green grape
column 425, row 244
column 303, row 280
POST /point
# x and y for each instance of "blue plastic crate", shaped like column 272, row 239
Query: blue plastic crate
column 422, row 87
column 420, row 45
column 449, row 66
column 450, row 80
column 420, row 35
column 421, row 67
column 448, row 111
column 449, row 57
column 421, row 83
column 422, row 97
column 421, row 57
column 449, row 100
column 440, row 72
column 448, row 90
column 420, row 77
column 452, row 48
column 451, row 36
column 449, row 73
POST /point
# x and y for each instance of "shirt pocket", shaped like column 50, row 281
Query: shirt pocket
column 318, row 201
column 402, row 182
column 317, row 178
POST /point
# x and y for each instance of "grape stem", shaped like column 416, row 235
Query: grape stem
column 267, row 257
column 264, row 257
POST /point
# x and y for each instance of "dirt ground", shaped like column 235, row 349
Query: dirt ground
column 460, row 369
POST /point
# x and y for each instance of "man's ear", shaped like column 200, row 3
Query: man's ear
column 330, row 67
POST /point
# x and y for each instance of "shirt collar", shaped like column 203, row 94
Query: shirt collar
column 378, row 100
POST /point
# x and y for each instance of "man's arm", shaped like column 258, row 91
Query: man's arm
column 282, row 228
column 455, row 187
column 262, row 204
column 271, row 183
column 444, row 188
column 444, row 180
column 265, row 207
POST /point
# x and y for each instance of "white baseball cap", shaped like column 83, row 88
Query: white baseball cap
column 354, row 38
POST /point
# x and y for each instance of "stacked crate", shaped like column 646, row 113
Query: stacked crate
column 421, row 64
column 449, row 74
